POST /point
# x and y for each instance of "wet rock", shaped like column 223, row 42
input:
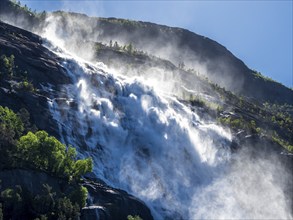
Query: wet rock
column 109, row 203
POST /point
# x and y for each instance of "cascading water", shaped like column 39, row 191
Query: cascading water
column 156, row 148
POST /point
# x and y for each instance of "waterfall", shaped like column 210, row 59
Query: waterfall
column 154, row 147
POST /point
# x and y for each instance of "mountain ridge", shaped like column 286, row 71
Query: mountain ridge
column 216, row 61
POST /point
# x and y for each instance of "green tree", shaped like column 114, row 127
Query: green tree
column 11, row 126
column 79, row 196
column 67, row 163
column 24, row 116
column 82, row 166
column 66, row 209
column 46, row 153
column 13, row 201
column 136, row 217
column 7, row 65
column 46, row 202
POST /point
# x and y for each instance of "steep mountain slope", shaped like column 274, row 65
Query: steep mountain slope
column 186, row 147
column 177, row 45
column 33, row 69
column 217, row 63
column 235, row 111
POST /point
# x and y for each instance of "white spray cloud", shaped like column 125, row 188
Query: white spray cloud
column 249, row 189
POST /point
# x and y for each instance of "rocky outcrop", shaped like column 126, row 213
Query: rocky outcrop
column 104, row 202
column 40, row 67
column 44, row 71
column 108, row 203
column 30, row 180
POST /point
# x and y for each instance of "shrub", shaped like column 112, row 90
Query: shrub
column 7, row 65
column 41, row 152
column 45, row 202
column 27, row 86
column 66, row 209
column 136, row 217
column 79, row 196
column 12, row 200
column 47, row 153
column 11, row 126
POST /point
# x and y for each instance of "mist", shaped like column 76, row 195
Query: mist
column 251, row 188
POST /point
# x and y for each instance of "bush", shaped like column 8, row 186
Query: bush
column 11, row 126
column 7, row 65
column 66, row 209
column 27, row 86
column 79, row 196
column 12, row 201
column 47, row 153
column 130, row 217
column 44, row 203
column 41, row 152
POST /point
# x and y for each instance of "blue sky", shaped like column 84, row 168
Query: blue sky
column 257, row 32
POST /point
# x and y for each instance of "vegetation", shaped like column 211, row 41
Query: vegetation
column 8, row 70
column 116, row 47
column 26, row 86
column 136, row 217
column 124, row 22
column 18, row 203
column 239, row 113
column 11, row 127
column 7, row 65
column 259, row 75
column 24, row 8
column 44, row 153
column 37, row 150
column 282, row 142
column 25, row 11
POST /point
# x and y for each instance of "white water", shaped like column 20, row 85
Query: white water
column 157, row 149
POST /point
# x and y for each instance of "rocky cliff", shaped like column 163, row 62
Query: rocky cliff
column 38, row 66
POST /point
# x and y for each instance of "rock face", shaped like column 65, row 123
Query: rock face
column 108, row 203
column 104, row 202
column 43, row 70
column 30, row 180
